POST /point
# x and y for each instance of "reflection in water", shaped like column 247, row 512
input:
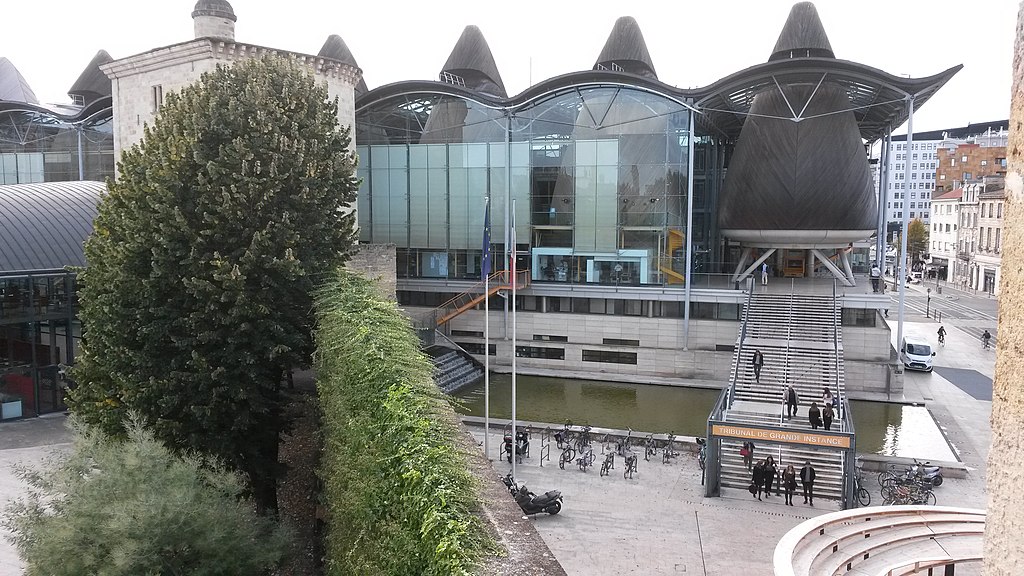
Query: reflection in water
column 605, row 404
column 890, row 429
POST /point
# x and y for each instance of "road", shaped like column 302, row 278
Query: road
column 970, row 312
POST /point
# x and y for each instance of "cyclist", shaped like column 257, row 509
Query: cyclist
column 942, row 336
column 985, row 338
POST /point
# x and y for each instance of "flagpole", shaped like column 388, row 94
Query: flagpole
column 487, row 332
column 512, row 251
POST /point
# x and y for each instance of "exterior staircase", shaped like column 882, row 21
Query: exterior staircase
column 801, row 339
column 453, row 369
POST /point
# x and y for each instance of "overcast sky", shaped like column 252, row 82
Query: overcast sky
column 692, row 43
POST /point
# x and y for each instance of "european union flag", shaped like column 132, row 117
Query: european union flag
column 485, row 262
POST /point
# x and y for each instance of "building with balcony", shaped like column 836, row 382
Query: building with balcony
column 979, row 242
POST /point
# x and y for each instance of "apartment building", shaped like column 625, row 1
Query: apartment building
column 943, row 232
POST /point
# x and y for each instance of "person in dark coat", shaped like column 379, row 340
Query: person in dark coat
column 758, row 478
column 770, row 472
column 757, row 361
column 807, row 481
column 748, row 459
column 792, row 402
column 826, row 416
column 789, row 483
column 814, row 415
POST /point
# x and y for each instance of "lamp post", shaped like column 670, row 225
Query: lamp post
column 928, row 304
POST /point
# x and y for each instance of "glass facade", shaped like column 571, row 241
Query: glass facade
column 39, row 334
column 40, row 146
column 598, row 175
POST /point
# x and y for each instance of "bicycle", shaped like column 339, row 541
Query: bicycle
column 623, row 447
column 650, row 447
column 582, row 443
column 986, row 343
column 669, row 453
column 608, row 464
column 630, row 468
column 863, row 496
column 586, row 460
column 568, row 455
column 942, row 339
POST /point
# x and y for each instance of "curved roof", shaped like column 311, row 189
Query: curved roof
column 336, row 49
column 877, row 99
column 218, row 8
column 802, row 35
column 44, row 226
column 13, row 86
column 93, row 83
column 472, row 62
column 626, row 49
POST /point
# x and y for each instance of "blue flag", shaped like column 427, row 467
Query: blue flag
column 485, row 262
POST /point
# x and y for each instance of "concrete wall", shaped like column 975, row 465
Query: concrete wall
column 1004, row 548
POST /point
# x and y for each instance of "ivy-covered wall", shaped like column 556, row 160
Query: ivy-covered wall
column 399, row 496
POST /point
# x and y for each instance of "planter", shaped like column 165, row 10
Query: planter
column 10, row 409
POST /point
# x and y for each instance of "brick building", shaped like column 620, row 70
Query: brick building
column 959, row 163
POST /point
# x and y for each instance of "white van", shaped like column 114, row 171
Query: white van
column 916, row 355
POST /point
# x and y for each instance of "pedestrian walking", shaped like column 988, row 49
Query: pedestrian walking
column 826, row 416
column 757, row 361
column 789, row 483
column 807, row 481
column 876, row 276
column 747, row 451
column 764, row 274
column 792, row 402
column 770, row 472
column 814, row 415
column 826, row 396
column 757, row 478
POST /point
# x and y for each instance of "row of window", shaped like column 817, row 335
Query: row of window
column 913, row 195
column 545, row 353
column 912, row 185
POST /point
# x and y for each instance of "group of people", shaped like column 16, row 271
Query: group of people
column 822, row 417
column 765, row 472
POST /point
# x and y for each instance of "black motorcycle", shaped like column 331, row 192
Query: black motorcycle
column 550, row 502
column 522, row 445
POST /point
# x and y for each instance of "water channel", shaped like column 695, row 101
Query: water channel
column 882, row 428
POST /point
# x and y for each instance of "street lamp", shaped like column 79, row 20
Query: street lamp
column 928, row 304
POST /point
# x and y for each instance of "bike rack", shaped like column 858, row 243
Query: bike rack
column 545, row 446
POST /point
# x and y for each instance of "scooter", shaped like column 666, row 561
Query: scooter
column 530, row 503
column 921, row 470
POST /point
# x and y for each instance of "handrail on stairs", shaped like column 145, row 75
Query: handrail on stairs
column 498, row 280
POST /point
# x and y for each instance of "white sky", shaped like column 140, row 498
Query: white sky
column 691, row 43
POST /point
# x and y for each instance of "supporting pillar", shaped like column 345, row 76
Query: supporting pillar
column 744, row 256
column 690, row 143
column 902, row 276
column 844, row 256
column 881, row 240
column 753, row 267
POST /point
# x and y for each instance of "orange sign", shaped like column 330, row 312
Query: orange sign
column 788, row 436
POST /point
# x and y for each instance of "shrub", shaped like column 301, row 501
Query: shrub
column 399, row 495
column 130, row 507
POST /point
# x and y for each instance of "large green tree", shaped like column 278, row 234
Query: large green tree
column 917, row 239
column 197, row 294
column 130, row 507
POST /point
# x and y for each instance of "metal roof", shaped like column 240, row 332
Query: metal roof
column 93, row 84
column 44, row 226
column 336, row 49
column 13, row 86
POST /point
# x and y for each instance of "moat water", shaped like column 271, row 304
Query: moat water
column 882, row 428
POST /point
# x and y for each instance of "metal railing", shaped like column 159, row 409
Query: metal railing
column 461, row 302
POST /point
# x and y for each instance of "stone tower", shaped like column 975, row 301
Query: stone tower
column 214, row 19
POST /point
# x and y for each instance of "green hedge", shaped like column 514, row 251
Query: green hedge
column 399, row 495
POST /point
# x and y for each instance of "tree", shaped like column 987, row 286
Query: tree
column 127, row 507
column 196, row 298
column 917, row 240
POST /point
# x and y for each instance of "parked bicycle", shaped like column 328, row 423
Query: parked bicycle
column 669, row 452
column 623, row 447
column 862, row 494
column 910, row 494
column 650, row 447
column 608, row 464
column 630, row 467
column 586, row 460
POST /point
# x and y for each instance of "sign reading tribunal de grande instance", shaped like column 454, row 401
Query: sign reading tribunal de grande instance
column 787, row 436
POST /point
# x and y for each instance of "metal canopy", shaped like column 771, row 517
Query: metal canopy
column 877, row 98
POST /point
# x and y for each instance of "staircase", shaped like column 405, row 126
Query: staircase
column 496, row 282
column 801, row 339
column 453, row 369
